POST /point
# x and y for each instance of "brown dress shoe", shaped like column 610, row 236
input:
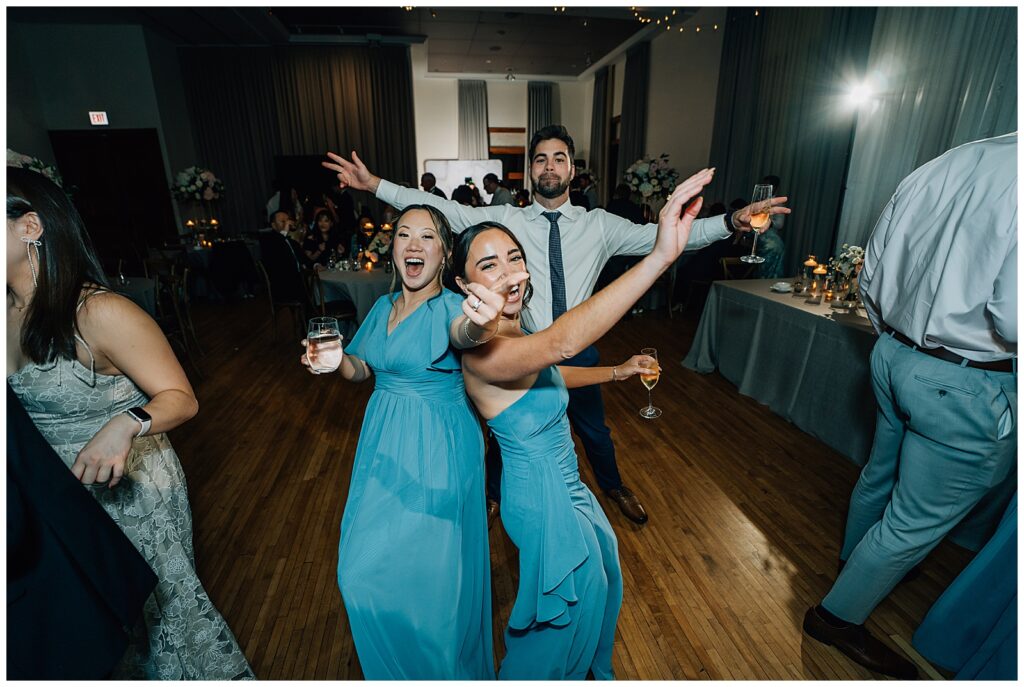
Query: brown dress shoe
column 860, row 646
column 628, row 503
column 492, row 512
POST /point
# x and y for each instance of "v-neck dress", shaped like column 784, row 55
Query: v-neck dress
column 413, row 560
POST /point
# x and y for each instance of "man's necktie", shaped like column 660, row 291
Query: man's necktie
column 555, row 263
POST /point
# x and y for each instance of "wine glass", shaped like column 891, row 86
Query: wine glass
column 762, row 194
column 323, row 345
column 650, row 412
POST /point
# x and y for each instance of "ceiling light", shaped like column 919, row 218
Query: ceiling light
column 698, row 29
column 716, row 27
column 755, row 13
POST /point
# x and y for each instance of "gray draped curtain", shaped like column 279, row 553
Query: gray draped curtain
column 473, row 120
column 950, row 76
column 539, row 114
column 599, row 121
column 633, row 135
column 780, row 110
column 248, row 105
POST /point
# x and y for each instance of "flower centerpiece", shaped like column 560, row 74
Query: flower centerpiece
column 651, row 180
column 379, row 246
column 16, row 159
column 199, row 188
column 846, row 266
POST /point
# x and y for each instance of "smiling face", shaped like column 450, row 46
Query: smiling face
column 494, row 254
column 324, row 223
column 551, row 170
column 418, row 250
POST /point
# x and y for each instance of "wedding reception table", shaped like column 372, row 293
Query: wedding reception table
column 363, row 288
column 808, row 363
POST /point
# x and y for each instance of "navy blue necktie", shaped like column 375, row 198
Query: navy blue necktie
column 555, row 263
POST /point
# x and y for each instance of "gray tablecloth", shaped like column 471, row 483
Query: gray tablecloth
column 363, row 288
column 140, row 289
column 806, row 363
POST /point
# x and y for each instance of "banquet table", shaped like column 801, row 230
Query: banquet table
column 141, row 290
column 808, row 363
column 363, row 288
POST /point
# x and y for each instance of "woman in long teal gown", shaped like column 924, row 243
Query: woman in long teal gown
column 562, row 624
column 413, row 560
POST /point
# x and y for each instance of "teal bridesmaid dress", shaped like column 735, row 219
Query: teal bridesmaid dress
column 562, row 624
column 413, row 561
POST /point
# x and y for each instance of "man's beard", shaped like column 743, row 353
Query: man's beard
column 549, row 188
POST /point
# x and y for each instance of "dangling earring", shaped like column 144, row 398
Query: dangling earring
column 29, row 244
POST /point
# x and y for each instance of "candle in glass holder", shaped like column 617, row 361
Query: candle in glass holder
column 818, row 276
column 369, row 266
column 213, row 222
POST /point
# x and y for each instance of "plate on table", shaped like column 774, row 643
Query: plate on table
column 782, row 287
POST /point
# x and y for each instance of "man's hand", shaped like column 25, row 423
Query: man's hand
column 741, row 218
column 352, row 174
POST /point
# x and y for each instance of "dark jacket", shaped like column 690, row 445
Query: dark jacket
column 75, row 583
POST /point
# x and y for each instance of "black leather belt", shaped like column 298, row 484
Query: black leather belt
column 951, row 357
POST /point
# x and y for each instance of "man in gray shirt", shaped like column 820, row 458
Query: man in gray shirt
column 499, row 194
column 940, row 287
column 566, row 248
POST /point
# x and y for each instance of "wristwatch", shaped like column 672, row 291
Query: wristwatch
column 142, row 417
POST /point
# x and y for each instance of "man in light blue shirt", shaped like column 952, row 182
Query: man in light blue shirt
column 499, row 194
column 566, row 248
column 940, row 287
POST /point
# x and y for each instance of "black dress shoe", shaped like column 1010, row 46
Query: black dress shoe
column 860, row 646
column 628, row 503
column 492, row 512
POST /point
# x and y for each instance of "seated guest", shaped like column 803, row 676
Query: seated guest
column 622, row 206
column 576, row 195
column 500, row 195
column 70, row 615
column 589, row 189
column 323, row 240
column 284, row 226
column 522, row 198
column 429, row 183
column 463, row 195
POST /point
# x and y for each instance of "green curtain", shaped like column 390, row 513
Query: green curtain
column 599, row 123
column 779, row 111
column 633, row 126
column 248, row 105
column 946, row 76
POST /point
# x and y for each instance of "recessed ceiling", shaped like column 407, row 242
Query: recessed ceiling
column 527, row 40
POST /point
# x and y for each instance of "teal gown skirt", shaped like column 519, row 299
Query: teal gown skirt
column 562, row 624
column 413, row 561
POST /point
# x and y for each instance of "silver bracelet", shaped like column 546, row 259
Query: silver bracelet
column 615, row 377
column 465, row 330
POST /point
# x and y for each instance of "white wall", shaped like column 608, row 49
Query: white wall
column 617, row 70
column 683, row 87
column 506, row 103
column 435, row 110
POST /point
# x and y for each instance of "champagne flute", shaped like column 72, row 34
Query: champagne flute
column 650, row 412
column 762, row 194
column 323, row 345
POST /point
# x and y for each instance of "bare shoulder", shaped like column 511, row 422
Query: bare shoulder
column 105, row 314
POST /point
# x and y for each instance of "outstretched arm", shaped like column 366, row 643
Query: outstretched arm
column 354, row 174
column 508, row 359
column 576, row 377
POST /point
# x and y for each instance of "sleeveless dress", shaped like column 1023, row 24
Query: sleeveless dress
column 413, row 560
column 563, row 620
column 181, row 635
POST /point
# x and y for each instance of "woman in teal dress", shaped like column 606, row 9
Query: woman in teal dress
column 413, row 561
column 562, row 624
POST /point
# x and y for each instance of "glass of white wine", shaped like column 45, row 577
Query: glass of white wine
column 650, row 412
column 323, row 345
column 758, row 220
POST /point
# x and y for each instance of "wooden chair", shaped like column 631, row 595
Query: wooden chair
column 291, row 292
column 734, row 268
column 177, row 326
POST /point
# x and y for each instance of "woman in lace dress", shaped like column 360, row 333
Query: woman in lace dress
column 79, row 357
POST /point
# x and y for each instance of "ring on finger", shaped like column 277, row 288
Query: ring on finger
column 479, row 302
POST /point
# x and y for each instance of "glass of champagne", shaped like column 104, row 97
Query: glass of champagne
column 650, row 412
column 758, row 220
column 323, row 345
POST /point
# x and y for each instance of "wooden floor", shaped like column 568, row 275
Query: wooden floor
column 746, row 514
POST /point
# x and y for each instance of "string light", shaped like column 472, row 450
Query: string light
column 666, row 19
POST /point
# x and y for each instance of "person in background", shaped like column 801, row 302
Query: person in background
column 522, row 198
column 500, row 195
column 413, row 560
column 429, row 183
column 624, row 207
column 939, row 284
column 571, row 246
column 323, row 240
column 284, row 226
column 770, row 245
column 576, row 195
column 99, row 380
column 589, row 189
column 463, row 195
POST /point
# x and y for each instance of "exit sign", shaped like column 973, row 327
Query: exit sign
column 98, row 119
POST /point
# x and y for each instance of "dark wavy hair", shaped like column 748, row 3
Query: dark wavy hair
column 550, row 132
column 460, row 256
column 67, row 265
column 444, row 232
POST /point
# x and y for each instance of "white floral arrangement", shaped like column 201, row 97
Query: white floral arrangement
column 381, row 243
column 651, row 177
column 848, row 261
column 196, row 183
column 16, row 159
